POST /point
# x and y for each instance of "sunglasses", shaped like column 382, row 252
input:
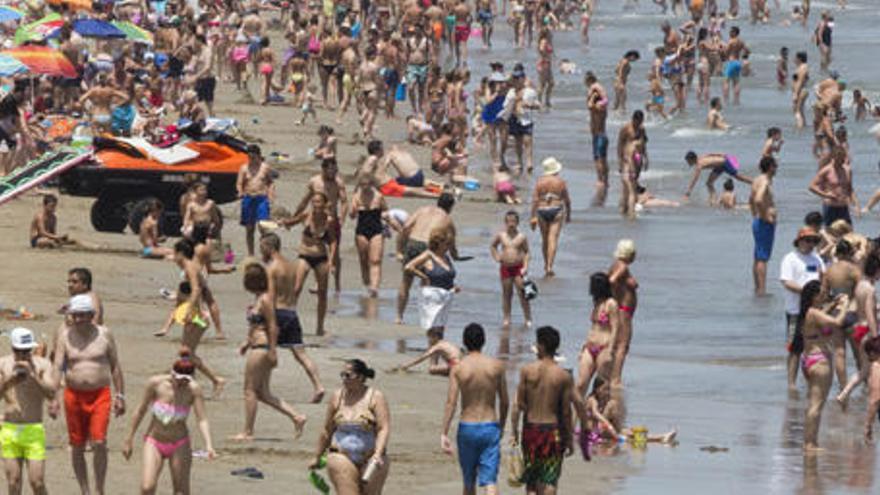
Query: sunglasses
column 347, row 375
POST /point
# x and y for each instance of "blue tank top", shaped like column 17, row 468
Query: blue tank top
column 492, row 109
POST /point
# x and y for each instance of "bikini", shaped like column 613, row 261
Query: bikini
column 602, row 319
column 166, row 414
column 441, row 277
column 315, row 261
column 549, row 213
column 369, row 223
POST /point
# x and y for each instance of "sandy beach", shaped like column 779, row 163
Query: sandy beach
column 134, row 309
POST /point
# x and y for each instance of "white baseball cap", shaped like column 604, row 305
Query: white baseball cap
column 22, row 339
column 81, row 303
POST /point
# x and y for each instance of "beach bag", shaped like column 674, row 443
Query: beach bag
column 400, row 94
column 515, row 465
column 121, row 119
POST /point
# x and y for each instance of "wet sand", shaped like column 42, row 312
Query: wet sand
column 134, row 309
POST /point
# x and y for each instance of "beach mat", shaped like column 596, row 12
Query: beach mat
column 38, row 171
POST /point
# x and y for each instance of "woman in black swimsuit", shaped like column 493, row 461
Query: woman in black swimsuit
column 317, row 246
column 261, row 357
column 369, row 207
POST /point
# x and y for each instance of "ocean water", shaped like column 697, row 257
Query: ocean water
column 707, row 356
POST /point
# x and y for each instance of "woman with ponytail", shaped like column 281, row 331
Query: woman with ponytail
column 168, row 398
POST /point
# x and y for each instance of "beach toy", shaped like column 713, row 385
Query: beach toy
column 229, row 256
column 471, row 185
column 400, row 94
column 183, row 311
column 639, row 437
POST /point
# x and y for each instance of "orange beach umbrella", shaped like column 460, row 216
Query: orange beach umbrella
column 43, row 60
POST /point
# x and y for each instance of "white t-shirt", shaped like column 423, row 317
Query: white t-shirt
column 529, row 98
column 800, row 269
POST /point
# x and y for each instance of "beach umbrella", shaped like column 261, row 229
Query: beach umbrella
column 72, row 4
column 8, row 13
column 43, row 60
column 39, row 30
column 134, row 33
column 96, row 28
column 9, row 66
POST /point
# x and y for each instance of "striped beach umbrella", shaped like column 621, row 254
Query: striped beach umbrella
column 39, row 30
column 10, row 66
column 134, row 33
column 8, row 13
column 43, row 60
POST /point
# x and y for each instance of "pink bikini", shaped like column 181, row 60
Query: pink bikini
column 165, row 414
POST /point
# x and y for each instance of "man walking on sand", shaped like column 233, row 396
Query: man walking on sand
column 281, row 274
column 415, row 235
column 26, row 382
column 763, row 221
column 544, row 401
column 254, row 187
column 479, row 380
column 513, row 258
column 87, row 358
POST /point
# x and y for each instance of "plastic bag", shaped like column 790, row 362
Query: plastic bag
column 515, row 466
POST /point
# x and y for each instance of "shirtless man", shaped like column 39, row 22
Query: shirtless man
column 763, row 210
column 597, row 105
column 79, row 281
column 282, row 274
column 542, row 411
column 43, row 230
column 202, row 69
column 254, row 187
column 417, row 58
column 486, row 11
column 735, row 50
column 410, row 181
column 200, row 210
column 799, row 91
column 621, row 76
column 26, row 382
column 714, row 119
column 513, row 258
column 149, row 234
column 833, row 183
column 632, row 141
column 773, row 144
column 330, row 183
column 87, row 358
column 102, row 98
column 718, row 164
column 480, row 380
column 416, row 232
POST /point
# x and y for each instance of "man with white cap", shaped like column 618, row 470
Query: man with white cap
column 550, row 202
column 87, row 356
column 26, row 381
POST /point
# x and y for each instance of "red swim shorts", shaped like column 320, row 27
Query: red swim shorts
column 88, row 415
column 512, row 271
column 392, row 188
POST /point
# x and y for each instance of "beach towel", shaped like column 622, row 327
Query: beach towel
column 434, row 307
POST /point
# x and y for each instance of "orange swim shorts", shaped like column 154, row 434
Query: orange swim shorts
column 88, row 415
column 392, row 188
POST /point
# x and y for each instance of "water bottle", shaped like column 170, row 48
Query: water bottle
column 319, row 482
column 370, row 470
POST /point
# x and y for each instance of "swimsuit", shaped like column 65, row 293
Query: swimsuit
column 511, row 271
column 812, row 359
column 88, row 414
column 289, row 328
column 733, row 69
column 479, row 452
column 542, row 454
column 594, row 350
column 763, row 233
column 600, row 146
column 167, row 449
column 393, row 189
column 413, row 248
column 369, row 223
column 629, row 310
column 832, row 213
column 314, row 261
column 254, row 209
column 355, row 438
column 23, row 441
column 731, row 165
column 416, row 180
column 858, row 332
column 438, row 276
column 549, row 213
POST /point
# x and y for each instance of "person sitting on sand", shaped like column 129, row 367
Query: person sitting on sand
column 439, row 349
column 715, row 120
column 410, row 181
column 419, row 131
column 505, row 191
column 718, row 164
column 603, row 417
column 356, row 432
column 43, row 231
column 727, row 201
column 327, row 145
column 149, row 234
column 168, row 399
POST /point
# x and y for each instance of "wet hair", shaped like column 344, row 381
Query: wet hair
column 600, row 287
column 590, row 78
column 640, row 189
column 255, row 278
column 155, row 205
column 715, row 102
column 843, row 248
column 766, row 164
column 512, row 213
column 809, row 292
column 185, row 247
column 728, row 185
column 634, row 54
column 272, row 241
column 548, row 338
column 638, row 115
column 872, row 347
column 446, row 201
column 328, row 162
column 50, row 199
column 690, row 156
column 783, row 50
column 184, row 364
column 374, row 146
column 773, row 131
column 360, row 368
column 801, row 57
column 200, row 233
column 184, row 288
column 264, row 42
column 474, row 337
column 84, row 275
column 813, row 218
column 438, row 237
column 326, row 129
column 872, row 265
column 734, row 31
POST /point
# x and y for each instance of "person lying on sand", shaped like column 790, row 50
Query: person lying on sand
column 647, row 200
column 439, row 349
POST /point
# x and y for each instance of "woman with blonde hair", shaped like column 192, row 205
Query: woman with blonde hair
column 624, row 288
column 434, row 267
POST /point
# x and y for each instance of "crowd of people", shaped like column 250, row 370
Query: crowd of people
column 370, row 57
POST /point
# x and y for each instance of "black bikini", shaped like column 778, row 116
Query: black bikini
column 315, row 261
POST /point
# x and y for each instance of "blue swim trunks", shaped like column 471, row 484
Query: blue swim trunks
column 733, row 69
column 600, row 146
column 763, row 232
column 479, row 453
column 147, row 252
column 731, row 165
column 254, row 209
column 417, row 180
